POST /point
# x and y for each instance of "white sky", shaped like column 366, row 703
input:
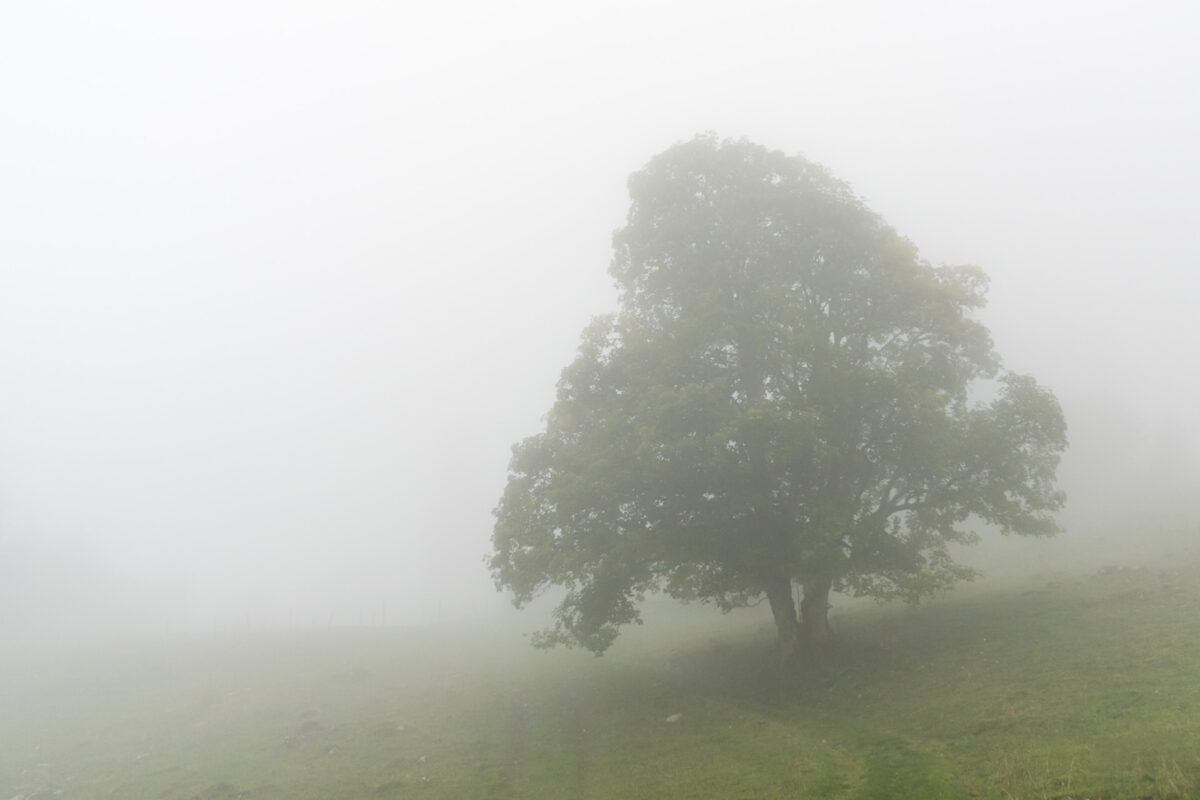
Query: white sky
column 281, row 283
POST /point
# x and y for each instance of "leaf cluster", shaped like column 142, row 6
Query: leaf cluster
column 786, row 390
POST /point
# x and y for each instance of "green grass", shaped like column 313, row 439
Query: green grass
column 1076, row 685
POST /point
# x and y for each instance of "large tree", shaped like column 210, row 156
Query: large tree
column 788, row 396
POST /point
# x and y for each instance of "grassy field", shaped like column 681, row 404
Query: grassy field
column 1082, row 684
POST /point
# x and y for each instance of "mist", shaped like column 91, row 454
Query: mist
column 281, row 284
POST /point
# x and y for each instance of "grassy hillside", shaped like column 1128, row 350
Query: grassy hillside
column 1074, row 685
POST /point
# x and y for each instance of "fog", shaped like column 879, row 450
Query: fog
column 281, row 283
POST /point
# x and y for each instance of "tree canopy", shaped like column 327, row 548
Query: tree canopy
column 788, row 395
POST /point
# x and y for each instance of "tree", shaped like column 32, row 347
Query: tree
column 787, row 396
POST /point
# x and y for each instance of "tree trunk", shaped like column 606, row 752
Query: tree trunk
column 783, row 607
column 814, row 611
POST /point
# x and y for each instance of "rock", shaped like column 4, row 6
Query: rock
column 674, row 718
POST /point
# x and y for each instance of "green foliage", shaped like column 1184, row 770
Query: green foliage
column 785, row 395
